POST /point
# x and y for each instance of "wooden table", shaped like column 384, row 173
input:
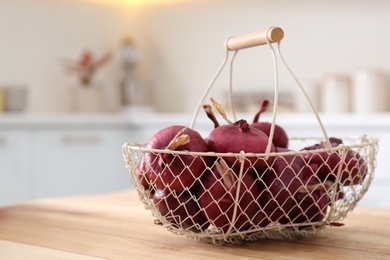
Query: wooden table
column 116, row 226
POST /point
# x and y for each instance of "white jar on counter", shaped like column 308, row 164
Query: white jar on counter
column 311, row 87
column 336, row 93
column 370, row 91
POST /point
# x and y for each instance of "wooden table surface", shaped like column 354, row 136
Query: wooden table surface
column 116, row 226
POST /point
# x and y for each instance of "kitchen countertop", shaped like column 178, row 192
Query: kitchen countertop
column 351, row 120
column 116, row 226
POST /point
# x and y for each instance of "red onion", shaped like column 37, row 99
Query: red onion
column 182, row 210
column 280, row 138
column 353, row 167
column 175, row 172
column 240, row 136
column 312, row 208
column 217, row 198
column 312, row 201
column 142, row 177
column 282, row 185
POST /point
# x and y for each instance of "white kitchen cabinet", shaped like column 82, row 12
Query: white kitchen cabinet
column 78, row 161
column 14, row 166
column 51, row 156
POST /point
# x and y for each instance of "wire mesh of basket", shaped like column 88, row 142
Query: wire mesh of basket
column 230, row 202
column 231, row 197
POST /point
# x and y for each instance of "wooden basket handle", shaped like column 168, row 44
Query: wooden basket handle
column 274, row 34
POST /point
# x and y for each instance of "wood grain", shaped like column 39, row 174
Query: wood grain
column 116, row 226
column 274, row 34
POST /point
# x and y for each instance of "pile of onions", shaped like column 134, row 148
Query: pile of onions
column 234, row 192
column 352, row 167
column 291, row 188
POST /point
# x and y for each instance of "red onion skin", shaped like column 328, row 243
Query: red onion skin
column 143, row 179
column 181, row 210
column 311, row 206
column 281, row 184
column 353, row 169
column 239, row 137
column 217, row 201
column 175, row 172
column 296, row 207
column 280, row 138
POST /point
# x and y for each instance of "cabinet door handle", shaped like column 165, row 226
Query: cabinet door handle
column 3, row 140
column 81, row 139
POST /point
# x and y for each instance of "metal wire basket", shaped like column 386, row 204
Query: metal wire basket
column 282, row 203
column 233, row 197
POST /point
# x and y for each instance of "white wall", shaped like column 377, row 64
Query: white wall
column 181, row 44
column 37, row 34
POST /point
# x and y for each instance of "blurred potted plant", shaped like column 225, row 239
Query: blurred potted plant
column 86, row 66
column 87, row 94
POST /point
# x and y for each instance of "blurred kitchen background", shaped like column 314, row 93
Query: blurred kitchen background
column 180, row 46
column 78, row 78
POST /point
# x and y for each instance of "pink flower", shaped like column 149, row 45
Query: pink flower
column 86, row 66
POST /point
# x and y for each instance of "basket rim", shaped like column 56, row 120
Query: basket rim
column 365, row 141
